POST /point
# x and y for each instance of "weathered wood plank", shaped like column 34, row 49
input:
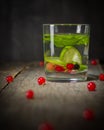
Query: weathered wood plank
column 7, row 69
column 62, row 104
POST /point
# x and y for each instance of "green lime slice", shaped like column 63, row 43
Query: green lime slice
column 70, row 54
column 83, row 67
column 54, row 60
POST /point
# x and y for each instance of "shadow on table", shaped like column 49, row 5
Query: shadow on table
column 92, row 77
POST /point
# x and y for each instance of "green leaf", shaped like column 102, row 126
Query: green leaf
column 61, row 40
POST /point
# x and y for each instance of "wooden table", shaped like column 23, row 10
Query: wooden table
column 60, row 104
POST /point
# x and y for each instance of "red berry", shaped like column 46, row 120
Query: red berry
column 9, row 79
column 88, row 114
column 93, row 62
column 30, row 94
column 41, row 63
column 101, row 77
column 91, row 86
column 41, row 80
column 70, row 66
column 45, row 126
column 59, row 68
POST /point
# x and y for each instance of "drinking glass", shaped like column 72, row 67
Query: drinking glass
column 66, row 51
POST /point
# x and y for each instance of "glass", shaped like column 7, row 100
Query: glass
column 66, row 49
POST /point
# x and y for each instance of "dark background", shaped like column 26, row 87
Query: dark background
column 21, row 25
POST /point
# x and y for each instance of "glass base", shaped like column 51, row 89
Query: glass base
column 66, row 77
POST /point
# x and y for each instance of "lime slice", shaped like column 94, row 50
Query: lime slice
column 54, row 60
column 70, row 54
column 83, row 67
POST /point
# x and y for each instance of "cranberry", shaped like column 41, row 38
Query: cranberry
column 41, row 80
column 91, row 86
column 59, row 68
column 45, row 126
column 9, row 79
column 29, row 94
column 88, row 114
column 70, row 66
column 101, row 77
column 93, row 62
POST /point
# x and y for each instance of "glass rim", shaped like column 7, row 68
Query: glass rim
column 66, row 24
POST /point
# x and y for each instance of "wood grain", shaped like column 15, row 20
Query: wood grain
column 7, row 69
column 61, row 104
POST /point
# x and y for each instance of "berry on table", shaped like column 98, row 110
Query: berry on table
column 93, row 62
column 88, row 114
column 41, row 80
column 101, row 77
column 9, row 79
column 70, row 66
column 41, row 63
column 30, row 94
column 91, row 86
column 45, row 126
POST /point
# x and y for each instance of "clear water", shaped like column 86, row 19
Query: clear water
column 61, row 76
column 53, row 51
